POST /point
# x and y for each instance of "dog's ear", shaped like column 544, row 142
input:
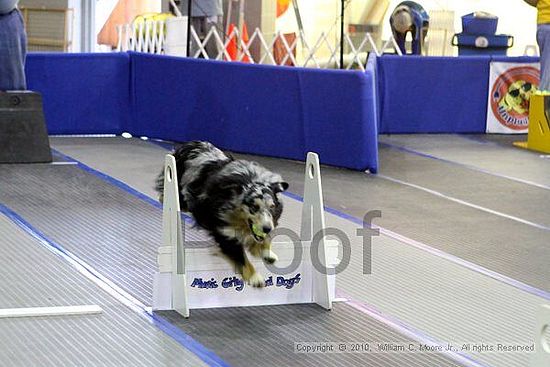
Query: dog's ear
column 279, row 186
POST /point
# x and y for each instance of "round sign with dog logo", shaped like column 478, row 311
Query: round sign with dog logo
column 510, row 96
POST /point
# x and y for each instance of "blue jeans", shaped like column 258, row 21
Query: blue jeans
column 543, row 39
column 13, row 50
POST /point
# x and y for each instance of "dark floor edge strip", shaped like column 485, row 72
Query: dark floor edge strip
column 468, row 166
column 185, row 340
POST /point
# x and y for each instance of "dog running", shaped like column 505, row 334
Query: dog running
column 237, row 201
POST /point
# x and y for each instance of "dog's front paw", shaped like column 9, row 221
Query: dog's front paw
column 269, row 256
column 257, row 280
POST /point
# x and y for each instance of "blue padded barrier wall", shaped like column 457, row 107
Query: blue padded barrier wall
column 82, row 93
column 257, row 109
column 433, row 94
column 281, row 112
column 519, row 59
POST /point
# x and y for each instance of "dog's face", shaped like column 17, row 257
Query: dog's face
column 262, row 208
column 259, row 209
column 518, row 96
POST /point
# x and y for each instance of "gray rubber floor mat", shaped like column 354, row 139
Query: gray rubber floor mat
column 493, row 153
column 266, row 336
column 115, row 233
column 133, row 161
column 492, row 192
column 32, row 276
column 430, row 293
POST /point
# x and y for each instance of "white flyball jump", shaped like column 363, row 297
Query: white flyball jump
column 191, row 277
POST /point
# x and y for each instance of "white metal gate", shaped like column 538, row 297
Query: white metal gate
column 150, row 37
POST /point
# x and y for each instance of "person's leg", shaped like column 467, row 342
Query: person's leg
column 423, row 34
column 212, row 47
column 400, row 40
column 543, row 39
column 23, row 43
column 416, row 45
column 197, row 23
column 12, row 52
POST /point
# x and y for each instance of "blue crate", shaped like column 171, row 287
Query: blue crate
column 479, row 44
column 479, row 23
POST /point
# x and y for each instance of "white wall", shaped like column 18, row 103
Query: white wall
column 103, row 10
column 516, row 18
column 317, row 17
column 76, row 28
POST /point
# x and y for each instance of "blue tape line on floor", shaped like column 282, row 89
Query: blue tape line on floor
column 121, row 185
column 110, row 180
column 185, row 340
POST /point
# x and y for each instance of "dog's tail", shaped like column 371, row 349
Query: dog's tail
column 159, row 186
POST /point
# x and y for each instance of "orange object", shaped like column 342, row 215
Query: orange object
column 282, row 7
column 232, row 47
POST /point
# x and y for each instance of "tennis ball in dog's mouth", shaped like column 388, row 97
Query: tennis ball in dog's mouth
column 258, row 232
